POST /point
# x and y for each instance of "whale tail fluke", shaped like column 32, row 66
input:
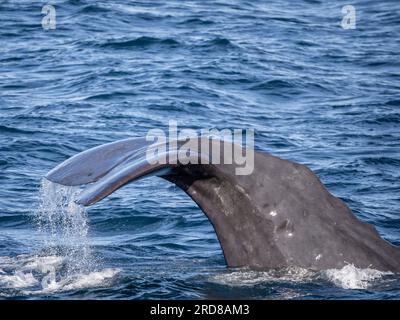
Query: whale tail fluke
column 279, row 215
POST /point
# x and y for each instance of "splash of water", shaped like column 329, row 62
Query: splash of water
column 351, row 277
column 66, row 261
column 64, row 226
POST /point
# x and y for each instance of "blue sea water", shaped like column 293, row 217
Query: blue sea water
column 314, row 93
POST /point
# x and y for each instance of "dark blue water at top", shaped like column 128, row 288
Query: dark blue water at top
column 314, row 93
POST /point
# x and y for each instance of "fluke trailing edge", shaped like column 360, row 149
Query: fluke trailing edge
column 280, row 215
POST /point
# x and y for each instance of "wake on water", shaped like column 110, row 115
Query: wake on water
column 67, row 262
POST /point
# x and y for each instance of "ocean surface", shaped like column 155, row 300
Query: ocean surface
column 314, row 92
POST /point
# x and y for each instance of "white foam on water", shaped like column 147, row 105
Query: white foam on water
column 351, row 277
column 245, row 277
column 33, row 273
column 348, row 277
column 81, row 281
column 92, row 279
column 18, row 280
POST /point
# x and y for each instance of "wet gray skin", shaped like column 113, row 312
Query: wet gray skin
column 280, row 215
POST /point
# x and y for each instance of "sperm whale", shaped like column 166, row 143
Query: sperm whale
column 280, row 215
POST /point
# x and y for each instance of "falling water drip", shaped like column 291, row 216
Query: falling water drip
column 63, row 225
column 66, row 261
